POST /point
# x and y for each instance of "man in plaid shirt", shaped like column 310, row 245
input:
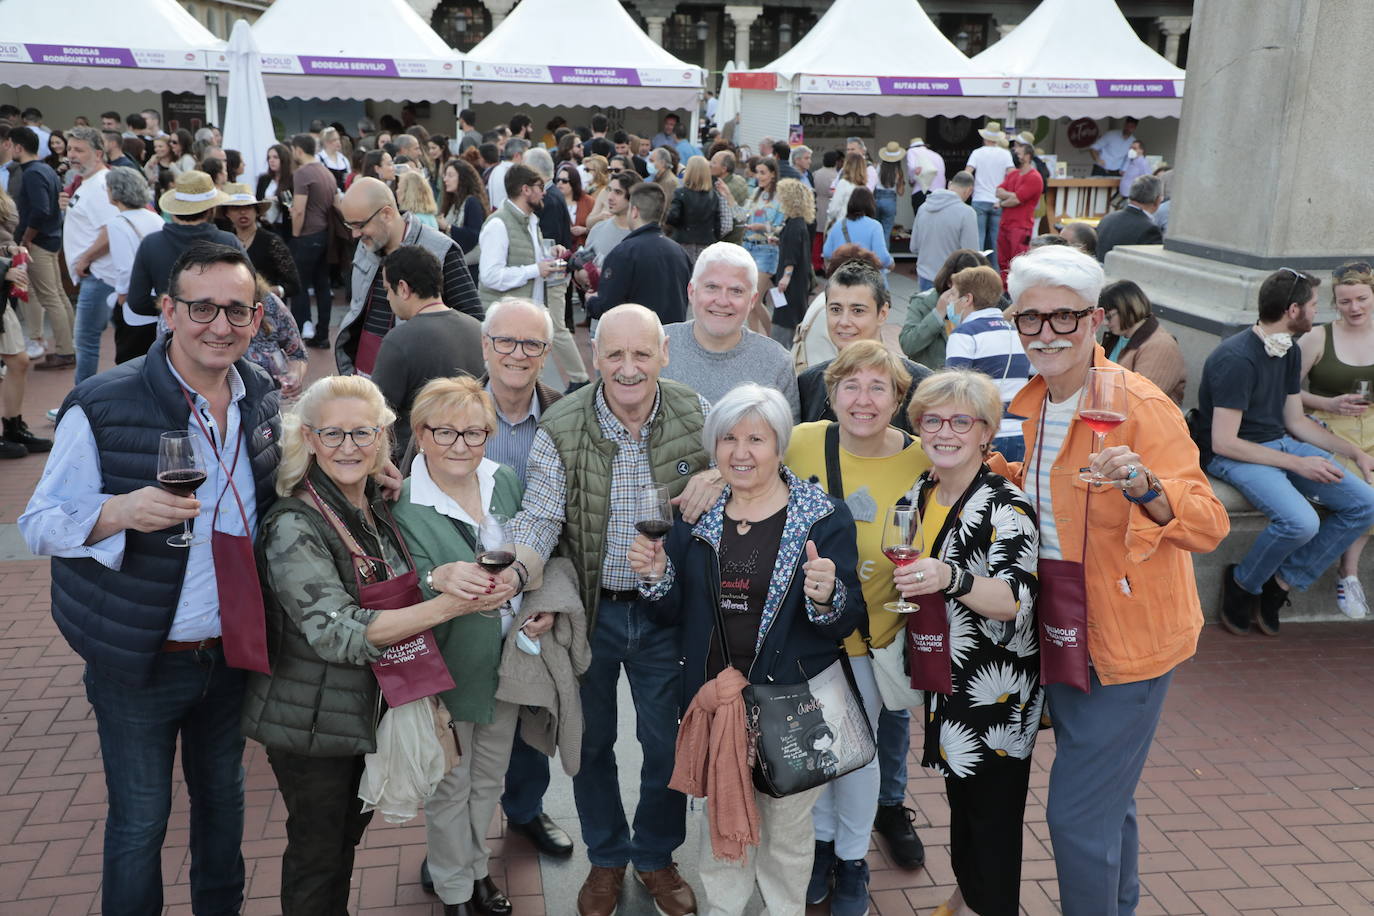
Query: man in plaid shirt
column 594, row 451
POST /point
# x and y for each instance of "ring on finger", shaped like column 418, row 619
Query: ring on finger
column 920, row 576
column 1131, row 472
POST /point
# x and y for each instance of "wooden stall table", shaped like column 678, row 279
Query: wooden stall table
column 1078, row 198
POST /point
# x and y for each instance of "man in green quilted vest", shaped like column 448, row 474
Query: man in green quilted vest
column 594, row 451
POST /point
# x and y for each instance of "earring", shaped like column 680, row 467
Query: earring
column 984, row 447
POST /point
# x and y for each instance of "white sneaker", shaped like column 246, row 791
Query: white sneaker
column 52, row 415
column 1350, row 598
column 35, row 348
column 308, row 331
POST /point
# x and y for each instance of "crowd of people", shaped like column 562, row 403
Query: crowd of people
column 434, row 535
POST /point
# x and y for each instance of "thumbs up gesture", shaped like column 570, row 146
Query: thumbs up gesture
column 820, row 575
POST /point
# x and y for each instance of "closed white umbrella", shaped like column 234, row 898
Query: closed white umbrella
column 727, row 104
column 247, row 119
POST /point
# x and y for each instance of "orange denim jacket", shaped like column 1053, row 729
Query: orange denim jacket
column 1143, row 611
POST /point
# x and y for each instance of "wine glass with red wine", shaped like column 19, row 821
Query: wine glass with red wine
column 495, row 546
column 181, row 470
column 654, row 516
column 1102, row 406
column 902, row 544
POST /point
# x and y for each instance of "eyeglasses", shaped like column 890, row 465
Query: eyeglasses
column 1063, row 321
column 616, row 170
column 959, row 423
column 446, row 435
column 332, row 437
column 203, row 312
column 1354, row 267
column 358, row 227
column 561, row 180
column 506, row 346
column 1298, row 277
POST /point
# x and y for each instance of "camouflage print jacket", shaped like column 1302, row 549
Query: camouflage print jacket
column 321, row 699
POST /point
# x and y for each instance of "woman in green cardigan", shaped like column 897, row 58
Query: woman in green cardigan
column 451, row 488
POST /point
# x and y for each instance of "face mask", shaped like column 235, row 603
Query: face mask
column 951, row 314
column 652, row 166
column 1133, row 154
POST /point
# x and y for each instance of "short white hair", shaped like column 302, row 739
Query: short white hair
column 741, row 403
column 505, row 302
column 1057, row 265
column 727, row 254
column 540, row 160
column 798, row 152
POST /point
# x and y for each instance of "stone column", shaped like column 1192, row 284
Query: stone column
column 1173, row 28
column 499, row 10
column 1276, row 194
column 654, row 26
column 743, row 17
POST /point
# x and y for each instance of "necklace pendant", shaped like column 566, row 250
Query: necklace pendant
column 743, row 527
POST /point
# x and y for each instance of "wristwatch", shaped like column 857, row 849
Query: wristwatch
column 429, row 579
column 960, row 582
column 1156, row 489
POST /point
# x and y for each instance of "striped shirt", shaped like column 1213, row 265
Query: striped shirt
column 544, row 509
column 1038, row 466
column 986, row 341
column 512, row 442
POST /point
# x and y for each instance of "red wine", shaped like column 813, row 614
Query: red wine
column 182, row 483
column 1102, row 421
column 901, row 555
column 653, row 528
column 495, row 560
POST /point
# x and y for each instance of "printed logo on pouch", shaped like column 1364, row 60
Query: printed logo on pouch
column 1063, row 637
column 928, row 642
column 405, row 652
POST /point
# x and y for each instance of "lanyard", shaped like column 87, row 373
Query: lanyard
column 219, row 459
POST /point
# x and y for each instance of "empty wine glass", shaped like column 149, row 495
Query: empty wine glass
column 1102, row 406
column 653, row 517
column 1361, row 389
column 903, row 542
column 181, row 470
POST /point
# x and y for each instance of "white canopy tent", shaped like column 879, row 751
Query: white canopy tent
column 899, row 63
column 310, row 50
column 1082, row 59
column 534, row 58
column 134, row 45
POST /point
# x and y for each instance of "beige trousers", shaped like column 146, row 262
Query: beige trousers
column 780, row 866
column 46, row 296
column 459, row 812
column 565, row 351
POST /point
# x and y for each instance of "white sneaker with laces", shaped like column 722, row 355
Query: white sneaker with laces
column 308, row 331
column 35, row 348
column 1350, row 598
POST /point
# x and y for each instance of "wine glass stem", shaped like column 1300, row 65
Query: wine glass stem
column 1099, row 441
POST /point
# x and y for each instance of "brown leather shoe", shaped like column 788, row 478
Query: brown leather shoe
column 672, row 895
column 56, row 361
column 600, row 894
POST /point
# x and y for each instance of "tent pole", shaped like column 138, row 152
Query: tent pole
column 1011, row 115
column 211, row 98
column 695, row 122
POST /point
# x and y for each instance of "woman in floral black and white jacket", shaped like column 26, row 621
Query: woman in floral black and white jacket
column 982, row 546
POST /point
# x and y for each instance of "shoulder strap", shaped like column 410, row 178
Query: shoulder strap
column 367, row 570
column 468, row 537
column 834, row 484
column 844, row 228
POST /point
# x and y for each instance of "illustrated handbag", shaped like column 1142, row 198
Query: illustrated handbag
column 805, row 734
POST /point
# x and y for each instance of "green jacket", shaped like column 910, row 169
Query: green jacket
column 520, row 253
column 471, row 644
column 321, row 699
column 674, row 451
column 923, row 332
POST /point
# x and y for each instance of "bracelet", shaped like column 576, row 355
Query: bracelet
column 521, row 573
column 1154, row 492
column 960, row 582
column 429, row 580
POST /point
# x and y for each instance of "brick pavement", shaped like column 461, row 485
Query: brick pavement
column 1258, row 797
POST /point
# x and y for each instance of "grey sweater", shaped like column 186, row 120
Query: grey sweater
column 755, row 358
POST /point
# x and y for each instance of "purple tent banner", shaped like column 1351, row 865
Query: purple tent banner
column 1163, row 89
column 348, row 66
column 919, row 85
column 595, row 76
column 81, row 55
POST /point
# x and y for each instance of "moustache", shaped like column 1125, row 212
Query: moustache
column 621, row 379
column 1048, row 345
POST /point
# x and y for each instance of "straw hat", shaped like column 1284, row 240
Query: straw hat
column 1026, row 137
column 991, row 131
column 192, row 192
column 240, row 195
column 892, row 152
column 917, row 141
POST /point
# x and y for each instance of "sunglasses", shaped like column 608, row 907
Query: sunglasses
column 1354, row 268
column 1298, row 277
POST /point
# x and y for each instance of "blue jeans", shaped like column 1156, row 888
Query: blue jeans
column 923, row 284
column 527, row 779
column 92, row 314
column 989, row 219
column 886, row 199
column 623, row 636
column 191, row 694
column 894, row 741
column 1299, row 544
column 1101, row 741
